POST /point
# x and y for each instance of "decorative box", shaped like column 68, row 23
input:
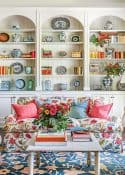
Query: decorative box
column 94, row 68
column 76, row 54
column 47, row 54
column 121, row 38
column 46, row 70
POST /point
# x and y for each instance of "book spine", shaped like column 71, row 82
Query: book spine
column 81, row 140
column 50, row 139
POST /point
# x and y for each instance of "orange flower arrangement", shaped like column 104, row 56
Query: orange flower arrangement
column 114, row 69
column 53, row 115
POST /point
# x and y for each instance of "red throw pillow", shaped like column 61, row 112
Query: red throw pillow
column 25, row 111
column 92, row 102
column 100, row 111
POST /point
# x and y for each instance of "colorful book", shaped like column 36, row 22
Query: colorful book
column 81, row 136
column 51, row 137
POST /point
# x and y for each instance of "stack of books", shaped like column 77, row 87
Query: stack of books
column 81, row 136
column 54, row 138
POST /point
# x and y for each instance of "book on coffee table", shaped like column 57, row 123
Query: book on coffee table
column 54, row 138
column 80, row 136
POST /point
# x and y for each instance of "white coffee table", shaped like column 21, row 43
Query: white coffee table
column 92, row 146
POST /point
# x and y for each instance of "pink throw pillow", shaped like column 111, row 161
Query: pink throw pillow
column 100, row 111
column 92, row 102
column 25, row 111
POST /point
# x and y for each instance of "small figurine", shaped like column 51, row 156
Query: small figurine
column 16, row 37
column 62, row 36
column 108, row 25
column 16, row 26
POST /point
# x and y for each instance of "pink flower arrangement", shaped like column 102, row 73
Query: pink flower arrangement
column 53, row 115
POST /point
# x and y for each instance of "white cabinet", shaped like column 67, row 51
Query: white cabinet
column 62, row 54
column 17, row 53
column 107, row 52
column 5, row 108
column 60, row 49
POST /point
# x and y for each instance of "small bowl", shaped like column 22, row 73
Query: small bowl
column 61, row 86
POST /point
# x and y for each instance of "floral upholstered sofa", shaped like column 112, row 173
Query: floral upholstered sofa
column 87, row 113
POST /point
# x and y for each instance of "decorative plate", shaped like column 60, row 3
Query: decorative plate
column 17, row 68
column 60, row 23
column 20, row 84
column 60, row 70
column 4, row 37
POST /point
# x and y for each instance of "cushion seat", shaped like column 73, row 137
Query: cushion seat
column 107, row 132
column 99, row 125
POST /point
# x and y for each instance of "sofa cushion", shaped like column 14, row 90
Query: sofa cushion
column 100, row 111
column 78, row 109
column 25, row 111
column 96, row 125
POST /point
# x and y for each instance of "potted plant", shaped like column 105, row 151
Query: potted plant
column 99, row 39
column 113, row 71
column 53, row 115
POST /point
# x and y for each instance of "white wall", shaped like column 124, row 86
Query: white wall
column 64, row 3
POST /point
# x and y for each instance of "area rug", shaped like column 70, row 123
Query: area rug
column 62, row 164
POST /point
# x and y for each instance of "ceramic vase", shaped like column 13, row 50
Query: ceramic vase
column 115, row 83
column 107, row 82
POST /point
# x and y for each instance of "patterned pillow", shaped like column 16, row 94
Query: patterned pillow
column 98, row 109
column 41, row 101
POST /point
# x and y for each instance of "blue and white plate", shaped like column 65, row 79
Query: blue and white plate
column 17, row 68
column 20, row 84
column 61, row 70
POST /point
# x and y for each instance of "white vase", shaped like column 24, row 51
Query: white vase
column 115, row 83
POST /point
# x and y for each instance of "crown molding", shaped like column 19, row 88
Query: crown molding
column 64, row 3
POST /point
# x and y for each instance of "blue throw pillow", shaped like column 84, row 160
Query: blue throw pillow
column 78, row 110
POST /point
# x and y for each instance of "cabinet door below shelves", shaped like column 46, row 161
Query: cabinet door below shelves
column 5, row 108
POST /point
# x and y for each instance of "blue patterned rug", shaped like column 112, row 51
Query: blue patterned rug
column 62, row 164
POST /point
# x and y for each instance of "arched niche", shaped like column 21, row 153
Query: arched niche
column 75, row 24
column 19, row 20
column 99, row 23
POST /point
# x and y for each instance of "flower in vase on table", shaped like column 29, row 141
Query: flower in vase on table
column 114, row 69
column 54, row 115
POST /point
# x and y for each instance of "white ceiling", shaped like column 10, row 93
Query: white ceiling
column 62, row 3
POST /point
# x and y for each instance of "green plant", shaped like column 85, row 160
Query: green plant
column 114, row 69
column 53, row 116
column 96, row 41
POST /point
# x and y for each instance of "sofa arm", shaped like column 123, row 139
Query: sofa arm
column 123, row 119
column 18, row 134
column 10, row 119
